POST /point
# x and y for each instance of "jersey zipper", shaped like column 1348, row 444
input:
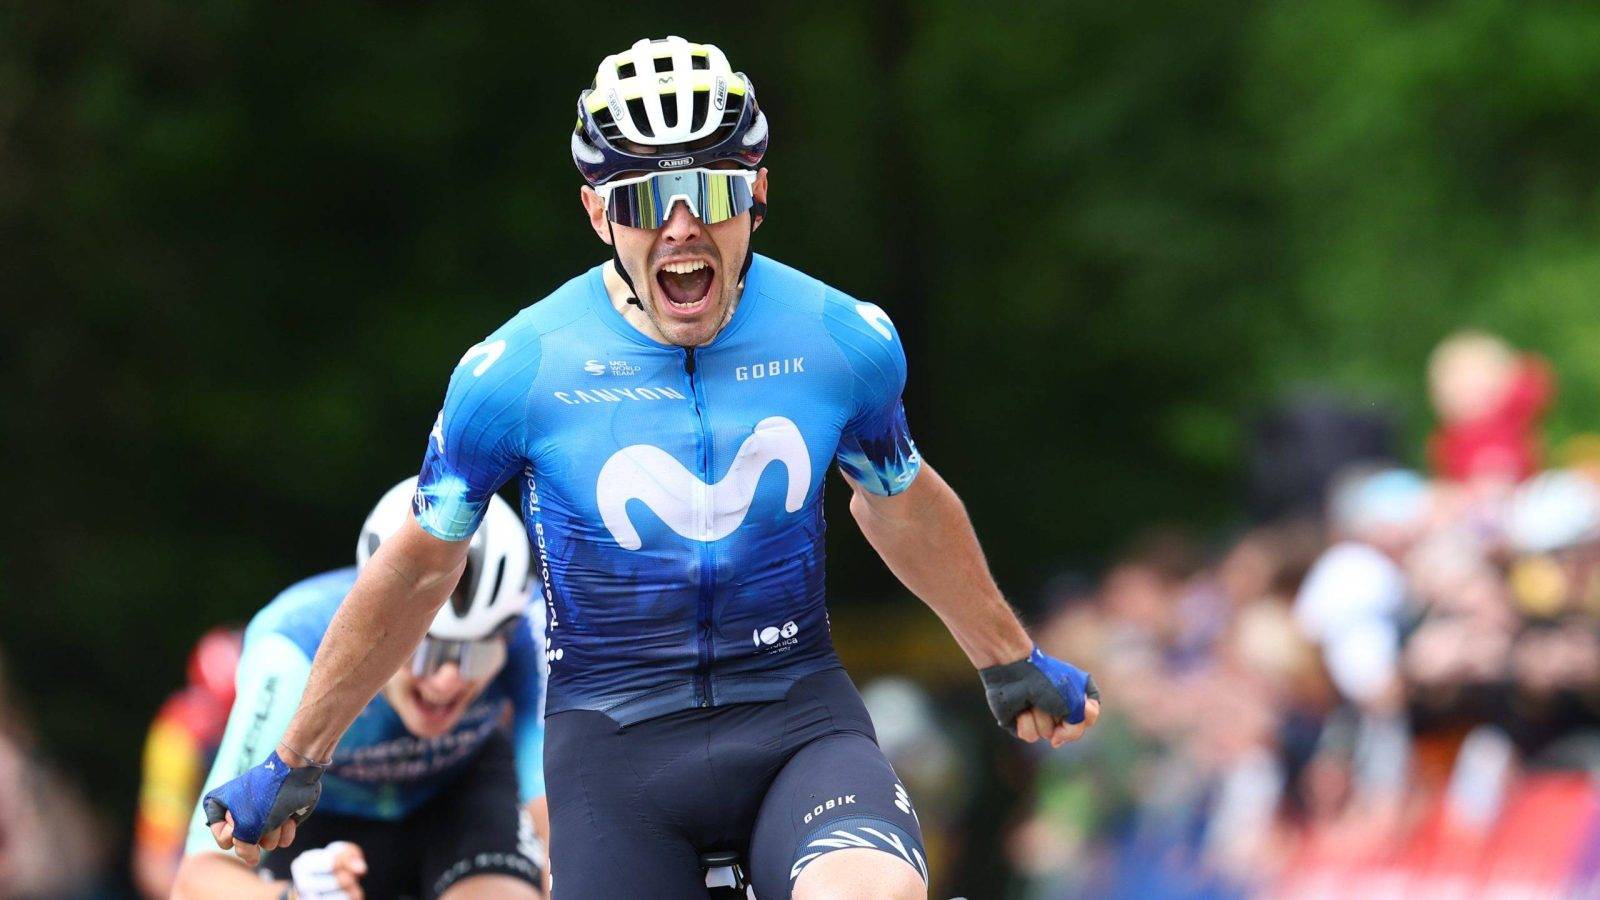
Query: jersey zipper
column 707, row 570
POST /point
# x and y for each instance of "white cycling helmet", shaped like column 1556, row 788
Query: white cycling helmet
column 1552, row 511
column 493, row 590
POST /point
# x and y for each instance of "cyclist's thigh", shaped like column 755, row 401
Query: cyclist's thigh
column 390, row 853
column 836, row 793
column 475, row 827
column 607, row 839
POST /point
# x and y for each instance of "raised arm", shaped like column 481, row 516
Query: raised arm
column 381, row 621
column 477, row 443
column 926, row 539
column 920, row 528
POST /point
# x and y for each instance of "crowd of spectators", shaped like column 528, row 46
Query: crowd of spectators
column 1326, row 694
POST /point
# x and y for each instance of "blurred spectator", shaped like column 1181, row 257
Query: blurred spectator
column 178, row 753
column 1381, row 689
column 1316, row 711
column 1553, row 530
column 1489, row 401
column 1352, row 598
column 49, row 845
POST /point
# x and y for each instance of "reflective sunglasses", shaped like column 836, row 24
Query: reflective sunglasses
column 474, row 659
column 713, row 195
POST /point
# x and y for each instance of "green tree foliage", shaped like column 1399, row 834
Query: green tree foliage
column 1435, row 165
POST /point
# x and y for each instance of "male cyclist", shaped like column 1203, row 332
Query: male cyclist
column 671, row 416
column 420, row 797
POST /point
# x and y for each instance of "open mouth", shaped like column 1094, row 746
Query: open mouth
column 686, row 285
column 436, row 711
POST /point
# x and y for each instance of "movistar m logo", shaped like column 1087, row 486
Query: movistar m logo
column 696, row 510
column 489, row 350
column 877, row 318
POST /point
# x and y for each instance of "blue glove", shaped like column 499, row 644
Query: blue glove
column 265, row 797
column 1058, row 688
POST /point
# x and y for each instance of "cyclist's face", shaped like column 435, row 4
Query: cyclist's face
column 430, row 706
column 686, row 308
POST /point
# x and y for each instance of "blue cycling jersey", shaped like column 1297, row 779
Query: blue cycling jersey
column 674, row 496
column 380, row 770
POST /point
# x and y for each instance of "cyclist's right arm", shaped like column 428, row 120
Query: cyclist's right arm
column 381, row 620
column 475, row 446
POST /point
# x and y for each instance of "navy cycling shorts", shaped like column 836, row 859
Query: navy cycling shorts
column 781, row 783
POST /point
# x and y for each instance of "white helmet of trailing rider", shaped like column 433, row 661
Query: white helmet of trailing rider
column 494, row 588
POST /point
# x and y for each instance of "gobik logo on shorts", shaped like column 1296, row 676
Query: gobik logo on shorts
column 835, row 803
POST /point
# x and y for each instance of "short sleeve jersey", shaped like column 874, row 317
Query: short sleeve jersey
column 380, row 770
column 673, row 497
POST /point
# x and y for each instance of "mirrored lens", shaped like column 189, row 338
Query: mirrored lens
column 713, row 196
column 474, row 659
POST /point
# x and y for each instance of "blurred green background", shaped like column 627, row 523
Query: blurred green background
column 243, row 243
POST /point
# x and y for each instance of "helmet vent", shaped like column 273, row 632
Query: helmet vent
column 666, row 99
column 702, row 100
column 607, row 125
column 461, row 597
column 372, row 543
column 499, row 576
column 641, row 119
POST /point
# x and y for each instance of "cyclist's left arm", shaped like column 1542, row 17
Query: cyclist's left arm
column 921, row 529
column 926, row 539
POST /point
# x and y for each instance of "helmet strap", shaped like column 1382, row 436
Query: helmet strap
column 758, row 210
column 622, row 271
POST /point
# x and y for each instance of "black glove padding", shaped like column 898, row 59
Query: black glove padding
column 1058, row 688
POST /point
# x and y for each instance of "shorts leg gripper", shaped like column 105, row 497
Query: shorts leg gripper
column 868, row 832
